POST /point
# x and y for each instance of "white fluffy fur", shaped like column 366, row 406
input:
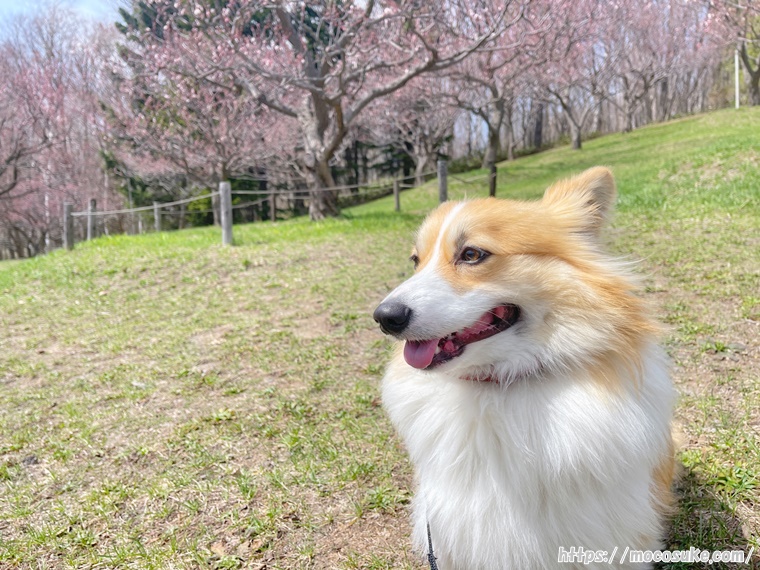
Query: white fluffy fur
column 507, row 475
column 508, row 472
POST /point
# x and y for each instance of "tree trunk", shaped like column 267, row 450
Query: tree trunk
column 628, row 110
column 509, row 131
column 355, row 164
column 365, row 166
column 406, row 168
column 538, row 127
column 351, row 171
column 419, row 170
column 216, row 210
column 322, row 203
column 662, row 100
column 753, row 75
column 598, row 116
column 628, row 121
column 320, row 143
column 573, row 122
column 494, row 146
column 754, row 89
column 575, row 134
column 494, row 120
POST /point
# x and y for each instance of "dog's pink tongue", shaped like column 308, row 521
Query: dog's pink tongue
column 419, row 354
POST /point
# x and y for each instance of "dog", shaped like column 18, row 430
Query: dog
column 529, row 388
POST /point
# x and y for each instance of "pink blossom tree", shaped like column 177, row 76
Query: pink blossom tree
column 576, row 65
column 24, row 129
column 648, row 43
column 631, row 39
column 166, row 125
column 416, row 120
column 487, row 84
column 737, row 23
column 322, row 64
column 50, row 135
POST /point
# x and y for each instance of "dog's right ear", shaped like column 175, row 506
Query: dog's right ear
column 585, row 201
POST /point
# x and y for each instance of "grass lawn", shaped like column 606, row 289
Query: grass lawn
column 169, row 403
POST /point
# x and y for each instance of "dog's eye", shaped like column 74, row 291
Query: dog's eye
column 472, row 255
column 414, row 259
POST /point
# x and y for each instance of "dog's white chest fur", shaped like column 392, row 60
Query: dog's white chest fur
column 508, row 475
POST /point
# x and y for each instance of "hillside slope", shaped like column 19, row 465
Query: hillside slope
column 169, row 403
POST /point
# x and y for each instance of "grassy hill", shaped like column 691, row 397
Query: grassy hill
column 169, row 403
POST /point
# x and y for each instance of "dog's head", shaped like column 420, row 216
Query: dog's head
column 506, row 288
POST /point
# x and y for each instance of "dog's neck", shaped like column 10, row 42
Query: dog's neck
column 489, row 375
column 489, row 379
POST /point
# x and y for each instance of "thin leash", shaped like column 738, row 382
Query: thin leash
column 431, row 556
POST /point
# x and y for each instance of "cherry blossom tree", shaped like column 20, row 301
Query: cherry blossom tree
column 576, row 66
column 51, row 134
column 202, row 90
column 737, row 22
column 168, row 125
column 632, row 40
column 648, row 44
column 416, row 120
column 32, row 96
column 322, row 64
column 623, row 53
column 488, row 83
column 24, row 129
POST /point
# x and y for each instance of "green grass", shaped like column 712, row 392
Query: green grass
column 169, row 403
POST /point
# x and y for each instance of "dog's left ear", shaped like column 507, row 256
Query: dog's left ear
column 586, row 201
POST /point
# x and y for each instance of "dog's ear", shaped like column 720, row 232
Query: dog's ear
column 586, row 201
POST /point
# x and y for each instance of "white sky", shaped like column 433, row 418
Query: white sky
column 100, row 10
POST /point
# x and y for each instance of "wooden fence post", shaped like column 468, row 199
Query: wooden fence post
column 443, row 187
column 272, row 207
column 225, row 202
column 91, row 219
column 68, row 226
column 396, row 194
column 492, row 180
column 157, row 216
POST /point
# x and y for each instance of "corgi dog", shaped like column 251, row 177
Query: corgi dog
column 529, row 388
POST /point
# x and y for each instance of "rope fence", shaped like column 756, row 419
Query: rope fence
column 223, row 208
column 469, row 180
column 145, row 208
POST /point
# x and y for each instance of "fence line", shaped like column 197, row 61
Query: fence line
column 248, row 204
column 145, row 208
column 469, row 180
column 277, row 192
column 225, row 206
column 185, row 213
column 381, row 186
column 210, row 210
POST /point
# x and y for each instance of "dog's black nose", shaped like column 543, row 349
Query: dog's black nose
column 393, row 317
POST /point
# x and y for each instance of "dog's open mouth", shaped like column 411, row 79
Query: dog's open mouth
column 427, row 354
